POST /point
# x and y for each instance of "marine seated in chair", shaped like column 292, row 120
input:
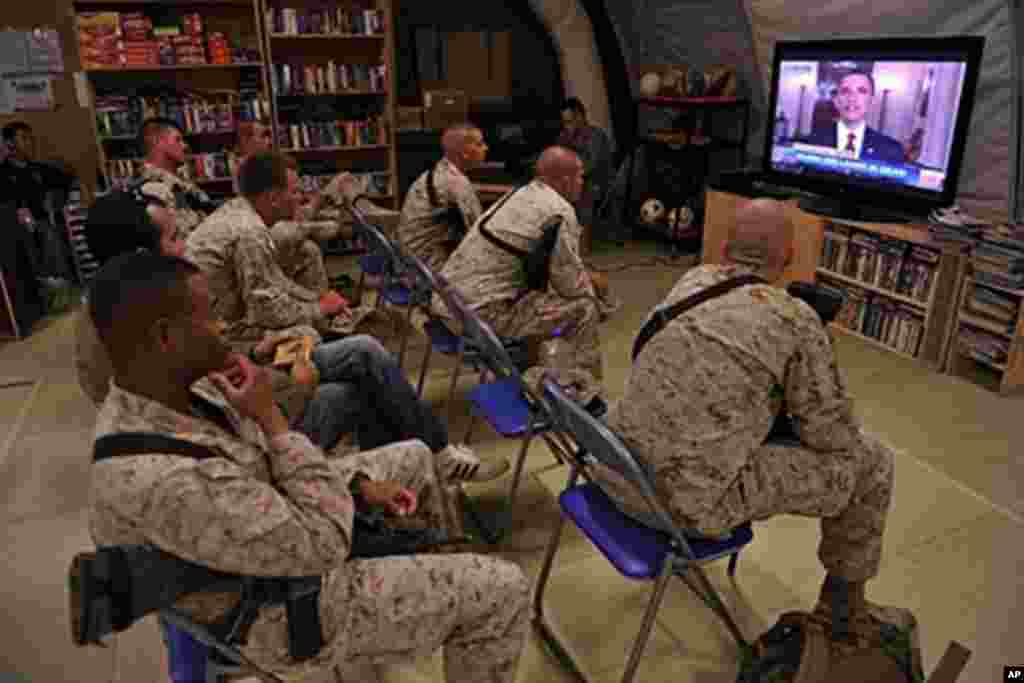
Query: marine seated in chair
column 360, row 390
column 267, row 503
column 703, row 395
column 441, row 205
column 299, row 237
column 492, row 270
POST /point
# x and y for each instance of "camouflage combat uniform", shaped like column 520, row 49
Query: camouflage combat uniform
column 298, row 253
column 420, row 233
column 492, row 282
column 248, row 288
column 277, row 507
column 702, row 396
column 171, row 189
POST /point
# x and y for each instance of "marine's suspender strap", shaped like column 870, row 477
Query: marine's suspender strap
column 664, row 315
column 491, row 237
column 139, row 443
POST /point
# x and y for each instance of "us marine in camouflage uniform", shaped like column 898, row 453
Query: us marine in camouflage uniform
column 270, row 504
column 235, row 249
column 492, row 282
column 297, row 238
column 703, row 394
column 165, row 153
column 421, row 229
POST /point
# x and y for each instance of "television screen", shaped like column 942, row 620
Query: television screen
column 878, row 119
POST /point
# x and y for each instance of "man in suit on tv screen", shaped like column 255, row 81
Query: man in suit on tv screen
column 850, row 132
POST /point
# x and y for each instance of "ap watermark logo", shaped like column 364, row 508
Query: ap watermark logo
column 1013, row 673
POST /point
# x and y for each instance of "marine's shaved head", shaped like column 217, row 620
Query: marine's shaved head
column 762, row 237
column 463, row 145
column 562, row 169
column 454, row 137
column 555, row 162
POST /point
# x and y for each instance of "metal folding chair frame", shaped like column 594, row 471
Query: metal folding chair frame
column 396, row 267
column 597, row 443
column 494, row 357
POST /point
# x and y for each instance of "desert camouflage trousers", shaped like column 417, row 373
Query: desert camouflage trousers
column 383, row 610
column 573, row 357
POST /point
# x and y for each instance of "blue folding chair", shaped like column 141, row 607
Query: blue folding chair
column 652, row 551
column 443, row 340
column 506, row 403
column 196, row 655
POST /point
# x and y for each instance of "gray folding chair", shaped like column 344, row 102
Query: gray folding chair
column 398, row 288
column 506, row 403
column 653, row 549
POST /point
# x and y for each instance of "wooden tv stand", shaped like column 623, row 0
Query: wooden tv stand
column 914, row 317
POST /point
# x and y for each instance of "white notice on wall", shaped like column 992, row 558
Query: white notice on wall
column 31, row 93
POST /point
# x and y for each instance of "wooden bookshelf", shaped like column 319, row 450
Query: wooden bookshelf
column 937, row 309
column 962, row 361
column 351, row 44
column 239, row 67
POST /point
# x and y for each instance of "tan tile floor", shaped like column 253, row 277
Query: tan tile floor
column 953, row 552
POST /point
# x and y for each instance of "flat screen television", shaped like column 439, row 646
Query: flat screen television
column 874, row 129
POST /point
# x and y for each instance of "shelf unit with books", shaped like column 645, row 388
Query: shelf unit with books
column 331, row 74
column 198, row 62
column 900, row 284
column 988, row 344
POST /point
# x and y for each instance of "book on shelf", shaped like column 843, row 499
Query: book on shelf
column 339, row 133
column 194, row 112
column 324, row 21
column 327, row 79
column 109, row 40
column 875, row 316
column 865, row 265
column 983, row 346
column 890, row 263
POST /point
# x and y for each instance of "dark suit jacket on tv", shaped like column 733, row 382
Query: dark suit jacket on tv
column 877, row 146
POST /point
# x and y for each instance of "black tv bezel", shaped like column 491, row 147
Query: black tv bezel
column 853, row 191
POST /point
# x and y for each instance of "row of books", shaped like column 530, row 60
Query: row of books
column 982, row 346
column 888, row 264
column 896, row 325
column 998, row 259
column 329, row 78
column 122, row 116
column 341, row 133
column 215, row 166
column 993, row 307
column 324, row 21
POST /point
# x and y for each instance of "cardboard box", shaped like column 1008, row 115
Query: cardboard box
column 444, row 108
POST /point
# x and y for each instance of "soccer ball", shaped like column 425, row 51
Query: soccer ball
column 684, row 216
column 652, row 211
column 650, row 84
